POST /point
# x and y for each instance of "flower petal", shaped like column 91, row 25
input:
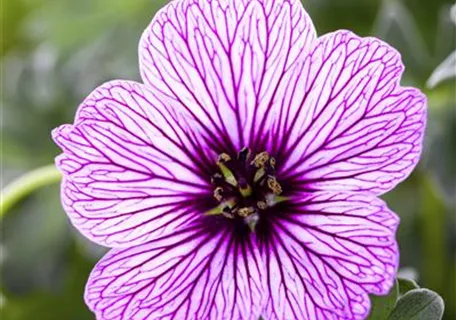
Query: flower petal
column 193, row 274
column 327, row 255
column 129, row 166
column 224, row 60
column 349, row 125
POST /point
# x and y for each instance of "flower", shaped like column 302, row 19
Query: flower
column 241, row 179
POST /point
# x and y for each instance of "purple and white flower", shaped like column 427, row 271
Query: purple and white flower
column 241, row 178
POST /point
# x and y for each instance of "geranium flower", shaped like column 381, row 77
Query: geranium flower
column 241, row 178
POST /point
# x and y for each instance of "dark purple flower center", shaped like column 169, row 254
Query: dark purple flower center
column 245, row 186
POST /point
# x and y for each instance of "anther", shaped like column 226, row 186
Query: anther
column 274, row 185
column 224, row 158
column 218, row 194
column 260, row 159
column 245, row 212
column 262, row 205
column 245, row 187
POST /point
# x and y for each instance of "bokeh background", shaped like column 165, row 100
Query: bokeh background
column 54, row 52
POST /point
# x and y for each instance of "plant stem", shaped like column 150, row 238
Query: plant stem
column 26, row 184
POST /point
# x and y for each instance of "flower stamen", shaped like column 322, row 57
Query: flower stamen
column 244, row 187
column 259, row 174
column 223, row 157
column 274, row 185
column 245, row 212
column 262, row 205
column 218, row 194
column 225, row 209
column 260, row 159
column 227, row 174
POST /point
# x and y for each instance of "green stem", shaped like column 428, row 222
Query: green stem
column 26, row 184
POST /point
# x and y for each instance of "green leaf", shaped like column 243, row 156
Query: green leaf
column 418, row 304
column 383, row 305
column 406, row 285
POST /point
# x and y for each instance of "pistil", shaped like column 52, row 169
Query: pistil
column 244, row 188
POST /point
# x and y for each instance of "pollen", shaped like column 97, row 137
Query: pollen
column 218, row 194
column 274, row 185
column 224, row 157
column 262, row 205
column 260, row 159
column 246, row 211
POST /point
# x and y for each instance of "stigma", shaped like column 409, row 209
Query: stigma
column 245, row 186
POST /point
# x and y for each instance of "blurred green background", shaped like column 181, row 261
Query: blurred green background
column 54, row 52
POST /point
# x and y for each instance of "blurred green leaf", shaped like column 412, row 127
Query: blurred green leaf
column 70, row 25
column 434, row 25
column 406, row 285
column 433, row 221
column 12, row 14
column 445, row 35
column 397, row 26
column 64, row 303
column 418, row 304
column 381, row 306
column 446, row 70
column 355, row 15
column 35, row 241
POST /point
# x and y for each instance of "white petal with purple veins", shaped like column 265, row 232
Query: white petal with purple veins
column 193, row 274
column 224, row 60
column 129, row 167
column 327, row 254
column 333, row 124
column 348, row 124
